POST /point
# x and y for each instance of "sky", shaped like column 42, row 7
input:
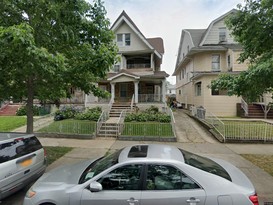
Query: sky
column 167, row 18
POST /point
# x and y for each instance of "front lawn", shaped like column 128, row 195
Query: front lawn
column 248, row 130
column 9, row 123
column 54, row 153
column 151, row 129
column 265, row 162
column 71, row 126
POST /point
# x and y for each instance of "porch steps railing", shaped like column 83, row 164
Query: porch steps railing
column 113, row 125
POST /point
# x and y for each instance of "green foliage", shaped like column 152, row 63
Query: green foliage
column 152, row 110
column 92, row 114
column 69, row 112
column 47, row 47
column 252, row 27
column 21, row 111
column 151, row 114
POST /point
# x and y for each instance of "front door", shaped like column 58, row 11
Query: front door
column 123, row 91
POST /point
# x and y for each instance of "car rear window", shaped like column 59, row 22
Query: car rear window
column 205, row 164
column 18, row 147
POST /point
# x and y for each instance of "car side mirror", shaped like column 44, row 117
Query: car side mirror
column 95, row 187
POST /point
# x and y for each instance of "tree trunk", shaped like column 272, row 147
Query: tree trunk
column 29, row 106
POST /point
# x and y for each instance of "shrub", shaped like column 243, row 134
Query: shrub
column 21, row 111
column 152, row 110
column 66, row 112
column 92, row 114
column 144, row 117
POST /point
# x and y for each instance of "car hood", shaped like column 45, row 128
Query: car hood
column 68, row 174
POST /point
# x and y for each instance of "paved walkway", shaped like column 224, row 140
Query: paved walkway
column 191, row 137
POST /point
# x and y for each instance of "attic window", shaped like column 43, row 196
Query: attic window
column 222, row 34
column 124, row 39
column 138, row 151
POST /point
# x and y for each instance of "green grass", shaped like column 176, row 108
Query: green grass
column 148, row 129
column 263, row 161
column 54, row 153
column 248, row 130
column 71, row 127
column 9, row 123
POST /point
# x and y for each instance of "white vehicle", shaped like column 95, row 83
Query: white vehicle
column 22, row 161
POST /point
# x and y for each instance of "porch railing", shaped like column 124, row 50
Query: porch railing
column 139, row 65
column 149, row 98
column 120, row 122
column 217, row 124
column 244, row 105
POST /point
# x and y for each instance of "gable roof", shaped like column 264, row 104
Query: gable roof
column 157, row 43
column 153, row 43
column 212, row 24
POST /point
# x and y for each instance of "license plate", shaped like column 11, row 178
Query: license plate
column 26, row 162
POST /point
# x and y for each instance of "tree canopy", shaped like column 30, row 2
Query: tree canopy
column 252, row 27
column 47, row 47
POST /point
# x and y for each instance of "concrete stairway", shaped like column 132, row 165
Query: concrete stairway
column 9, row 110
column 255, row 111
column 110, row 127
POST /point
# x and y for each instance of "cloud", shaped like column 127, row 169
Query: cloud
column 167, row 18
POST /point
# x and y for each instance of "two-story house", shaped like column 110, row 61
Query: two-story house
column 137, row 76
column 203, row 55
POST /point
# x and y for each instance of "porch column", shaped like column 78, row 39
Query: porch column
column 163, row 90
column 136, row 91
column 152, row 61
column 112, row 92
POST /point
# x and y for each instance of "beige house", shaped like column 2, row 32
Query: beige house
column 137, row 77
column 203, row 55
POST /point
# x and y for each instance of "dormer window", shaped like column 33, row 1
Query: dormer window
column 222, row 34
column 124, row 39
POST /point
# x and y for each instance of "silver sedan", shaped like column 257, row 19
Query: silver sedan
column 145, row 175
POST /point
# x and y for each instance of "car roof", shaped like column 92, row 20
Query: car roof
column 150, row 152
column 7, row 136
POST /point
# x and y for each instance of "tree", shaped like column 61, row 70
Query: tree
column 252, row 27
column 47, row 47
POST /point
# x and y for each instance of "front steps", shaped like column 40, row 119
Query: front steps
column 110, row 128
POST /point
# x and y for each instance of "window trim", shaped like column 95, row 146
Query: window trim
column 218, row 63
column 121, row 39
column 196, row 86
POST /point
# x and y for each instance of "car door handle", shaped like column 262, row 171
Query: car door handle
column 193, row 201
column 132, row 201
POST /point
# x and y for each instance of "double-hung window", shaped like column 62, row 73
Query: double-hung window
column 215, row 65
column 124, row 39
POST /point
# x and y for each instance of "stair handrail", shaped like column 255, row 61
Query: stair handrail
column 244, row 106
column 104, row 115
column 120, row 122
column 132, row 101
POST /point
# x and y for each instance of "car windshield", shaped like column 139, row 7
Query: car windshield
column 99, row 165
column 204, row 164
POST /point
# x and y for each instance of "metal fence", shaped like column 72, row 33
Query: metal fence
column 236, row 130
column 70, row 127
column 148, row 130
